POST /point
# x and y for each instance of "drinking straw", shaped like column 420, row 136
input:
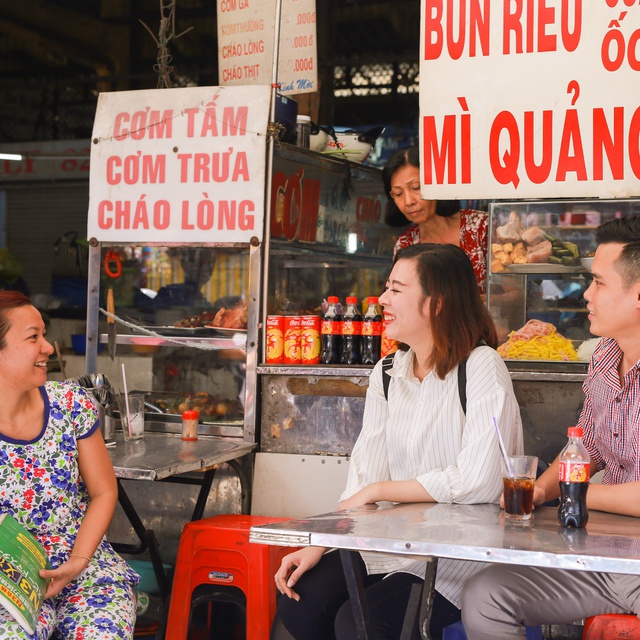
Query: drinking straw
column 503, row 449
column 126, row 401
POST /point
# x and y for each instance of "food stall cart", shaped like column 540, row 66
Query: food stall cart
column 175, row 225
column 324, row 231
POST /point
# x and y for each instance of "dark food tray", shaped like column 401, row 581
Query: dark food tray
column 169, row 404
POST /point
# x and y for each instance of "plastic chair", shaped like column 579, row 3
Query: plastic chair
column 456, row 631
column 610, row 626
column 216, row 566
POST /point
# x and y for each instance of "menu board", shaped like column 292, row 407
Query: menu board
column 246, row 36
column 530, row 99
column 179, row 165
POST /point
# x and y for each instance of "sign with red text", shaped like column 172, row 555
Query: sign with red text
column 51, row 160
column 246, row 34
column 179, row 165
column 530, row 98
column 297, row 57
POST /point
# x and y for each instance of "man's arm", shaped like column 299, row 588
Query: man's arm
column 615, row 498
column 548, row 486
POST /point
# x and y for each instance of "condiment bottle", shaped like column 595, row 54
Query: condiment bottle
column 303, row 131
column 190, row 424
column 574, row 481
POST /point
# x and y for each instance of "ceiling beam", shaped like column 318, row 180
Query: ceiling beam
column 57, row 36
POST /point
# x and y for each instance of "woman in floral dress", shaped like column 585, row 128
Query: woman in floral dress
column 56, row 478
column 440, row 222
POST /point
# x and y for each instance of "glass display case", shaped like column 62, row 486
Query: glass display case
column 327, row 232
column 186, row 308
column 327, row 238
column 540, row 259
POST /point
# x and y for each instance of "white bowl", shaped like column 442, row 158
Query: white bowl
column 586, row 263
column 349, row 146
column 318, row 141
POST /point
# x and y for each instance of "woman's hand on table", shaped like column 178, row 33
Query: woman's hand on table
column 388, row 491
column 295, row 565
column 362, row 497
column 59, row 578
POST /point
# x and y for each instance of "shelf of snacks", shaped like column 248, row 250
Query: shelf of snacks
column 540, row 261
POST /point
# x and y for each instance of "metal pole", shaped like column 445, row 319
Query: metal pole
column 269, row 177
column 93, row 306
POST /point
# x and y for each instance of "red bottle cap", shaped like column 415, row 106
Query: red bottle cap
column 575, row 432
column 190, row 414
column 333, row 299
column 352, row 300
column 372, row 299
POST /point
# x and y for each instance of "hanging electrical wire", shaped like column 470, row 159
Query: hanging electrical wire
column 166, row 33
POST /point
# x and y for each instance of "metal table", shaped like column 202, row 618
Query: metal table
column 163, row 457
column 465, row 532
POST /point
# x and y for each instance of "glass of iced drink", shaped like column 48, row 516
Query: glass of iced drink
column 519, row 477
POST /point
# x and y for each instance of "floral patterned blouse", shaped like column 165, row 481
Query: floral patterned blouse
column 40, row 483
column 474, row 241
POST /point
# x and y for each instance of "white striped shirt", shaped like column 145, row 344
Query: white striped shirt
column 422, row 433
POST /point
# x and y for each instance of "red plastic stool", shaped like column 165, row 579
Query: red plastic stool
column 216, row 561
column 611, row 626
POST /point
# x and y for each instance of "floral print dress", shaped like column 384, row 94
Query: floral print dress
column 40, row 485
column 474, row 241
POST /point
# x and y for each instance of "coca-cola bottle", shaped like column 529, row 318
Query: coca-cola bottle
column 371, row 331
column 574, row 481
column 331, row 332
column 352, row 332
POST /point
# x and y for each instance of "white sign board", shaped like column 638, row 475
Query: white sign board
column 298, row 57
column 246, row 33
column 181, row 166
column 530, row 98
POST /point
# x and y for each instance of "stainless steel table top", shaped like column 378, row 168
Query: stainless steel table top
column 161, row 455
column 469, row 532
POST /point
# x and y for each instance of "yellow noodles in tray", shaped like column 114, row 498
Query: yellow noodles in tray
column 548, row 347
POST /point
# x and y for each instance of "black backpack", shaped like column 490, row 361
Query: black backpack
column 387, row 363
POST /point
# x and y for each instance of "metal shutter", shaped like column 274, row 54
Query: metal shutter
column 36, row 216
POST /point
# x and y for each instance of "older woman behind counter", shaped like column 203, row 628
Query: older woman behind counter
column 435, row 221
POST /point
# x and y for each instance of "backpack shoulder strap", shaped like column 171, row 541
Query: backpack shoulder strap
column 462, row 385
column 387, row 363
column 462, row 380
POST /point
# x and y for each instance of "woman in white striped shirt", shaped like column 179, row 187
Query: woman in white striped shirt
column 417, row 446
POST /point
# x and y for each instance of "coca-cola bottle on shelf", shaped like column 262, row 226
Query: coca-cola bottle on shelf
column 331, row 332
column 371, row 331
column 352, row 332
column 574, row 476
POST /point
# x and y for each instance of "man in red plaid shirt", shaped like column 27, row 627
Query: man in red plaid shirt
column 499, row 601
